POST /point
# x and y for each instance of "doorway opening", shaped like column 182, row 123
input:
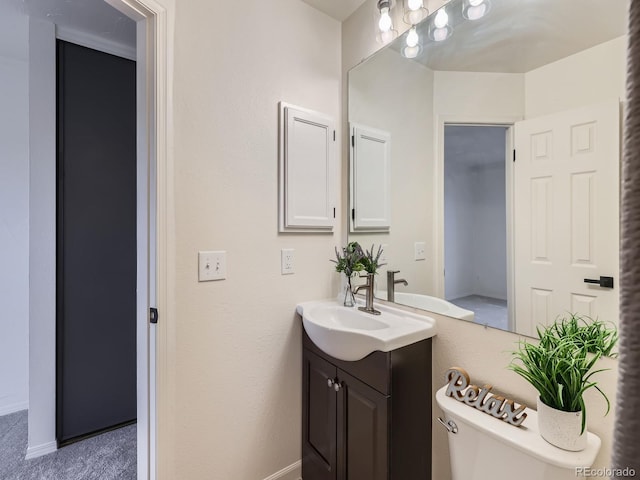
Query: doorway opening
column 476, row 221
column 150, row 34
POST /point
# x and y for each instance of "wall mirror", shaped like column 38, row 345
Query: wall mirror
column 495, row 152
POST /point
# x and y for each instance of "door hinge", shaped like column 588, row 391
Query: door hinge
column 353, row 214
column 334, row 212
column 153, row 315
column 353, row 141
column 334, row 135
column 514, row 155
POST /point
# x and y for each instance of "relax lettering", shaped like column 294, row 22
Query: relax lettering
column 499, row 407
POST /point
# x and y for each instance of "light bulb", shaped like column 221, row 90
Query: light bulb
column 412, row 38
column 441, row 19
column 476, row 13
column 440, row 34
column 475, row 9
column 385, row 20
column 386, row 37
column 415, row 4
column 411, row 52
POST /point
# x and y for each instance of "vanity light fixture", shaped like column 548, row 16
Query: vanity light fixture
column 475, row 9
column 439, row 29
column 414, row 12
column 386, row 33
column 412, row 48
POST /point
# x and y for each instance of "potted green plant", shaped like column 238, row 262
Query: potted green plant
column 561, row 368
column 349, row 262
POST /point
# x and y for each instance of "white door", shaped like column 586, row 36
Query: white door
column 566, row 217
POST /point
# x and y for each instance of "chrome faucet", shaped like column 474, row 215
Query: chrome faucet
column 369, row 297
column 391, row 284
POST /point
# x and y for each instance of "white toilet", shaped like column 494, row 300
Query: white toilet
column 484, row 447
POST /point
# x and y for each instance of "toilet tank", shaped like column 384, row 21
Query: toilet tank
column 485, row 447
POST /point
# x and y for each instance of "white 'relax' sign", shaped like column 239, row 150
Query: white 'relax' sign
column 459, row 388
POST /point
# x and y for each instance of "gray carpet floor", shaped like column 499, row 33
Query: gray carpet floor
column 110, row 456
column 491, row 312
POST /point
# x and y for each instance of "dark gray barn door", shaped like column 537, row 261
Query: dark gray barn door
column 96, row 269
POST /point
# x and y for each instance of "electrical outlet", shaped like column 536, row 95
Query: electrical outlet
column 212, row 266
column 287, row 261
column 420, row 251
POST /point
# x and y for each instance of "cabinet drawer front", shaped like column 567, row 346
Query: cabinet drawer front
column 374, row 369
column 363, row 431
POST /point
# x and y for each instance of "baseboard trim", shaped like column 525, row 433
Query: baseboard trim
column 292, row 472
column 40, row 450
column 13, row 408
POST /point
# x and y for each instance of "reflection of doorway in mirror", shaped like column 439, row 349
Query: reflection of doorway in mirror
column 475, row 221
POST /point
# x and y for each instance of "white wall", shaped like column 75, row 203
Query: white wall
column 42, row 241
column 475, row 229
column 490, row 230
column 14, row 209
column 459, row 219
column 236, row 404
column 484, row 352
column 592, row 76
column 483, row 95
column 380, row 91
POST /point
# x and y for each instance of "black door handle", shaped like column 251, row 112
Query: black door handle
column 604, row 282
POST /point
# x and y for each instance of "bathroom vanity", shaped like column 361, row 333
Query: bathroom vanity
column 367, row 419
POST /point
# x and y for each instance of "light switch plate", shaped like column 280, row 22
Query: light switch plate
column 212, row 266
column 287, row 261
column 420, row 251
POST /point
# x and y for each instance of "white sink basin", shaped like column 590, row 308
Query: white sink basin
column 349, row 334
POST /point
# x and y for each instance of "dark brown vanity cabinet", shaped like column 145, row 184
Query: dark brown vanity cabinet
column 369, row 419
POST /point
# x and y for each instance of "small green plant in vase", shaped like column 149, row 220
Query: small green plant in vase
column 353, row 259
column 349, row 262
column 561, row 368
column 371, row 262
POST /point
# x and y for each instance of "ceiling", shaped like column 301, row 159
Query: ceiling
column 338, row 9
column 89, row 16
column 517, row 36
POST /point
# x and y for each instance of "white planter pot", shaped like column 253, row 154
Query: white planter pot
column 561, row 429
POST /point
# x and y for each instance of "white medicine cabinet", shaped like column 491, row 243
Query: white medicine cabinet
column 370, row 177
column 307, row 170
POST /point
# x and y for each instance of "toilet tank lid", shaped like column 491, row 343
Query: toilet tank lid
column 525, row 438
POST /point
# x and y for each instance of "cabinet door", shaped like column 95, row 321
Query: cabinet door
column 308, row 172
column 370, row 179
column 318, row 419
column 363, row 431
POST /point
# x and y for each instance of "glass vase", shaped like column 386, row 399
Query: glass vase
column 349, row 298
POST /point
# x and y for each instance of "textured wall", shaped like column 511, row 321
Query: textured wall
column 237, row 342
column 592, row 76
column 14, row 208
